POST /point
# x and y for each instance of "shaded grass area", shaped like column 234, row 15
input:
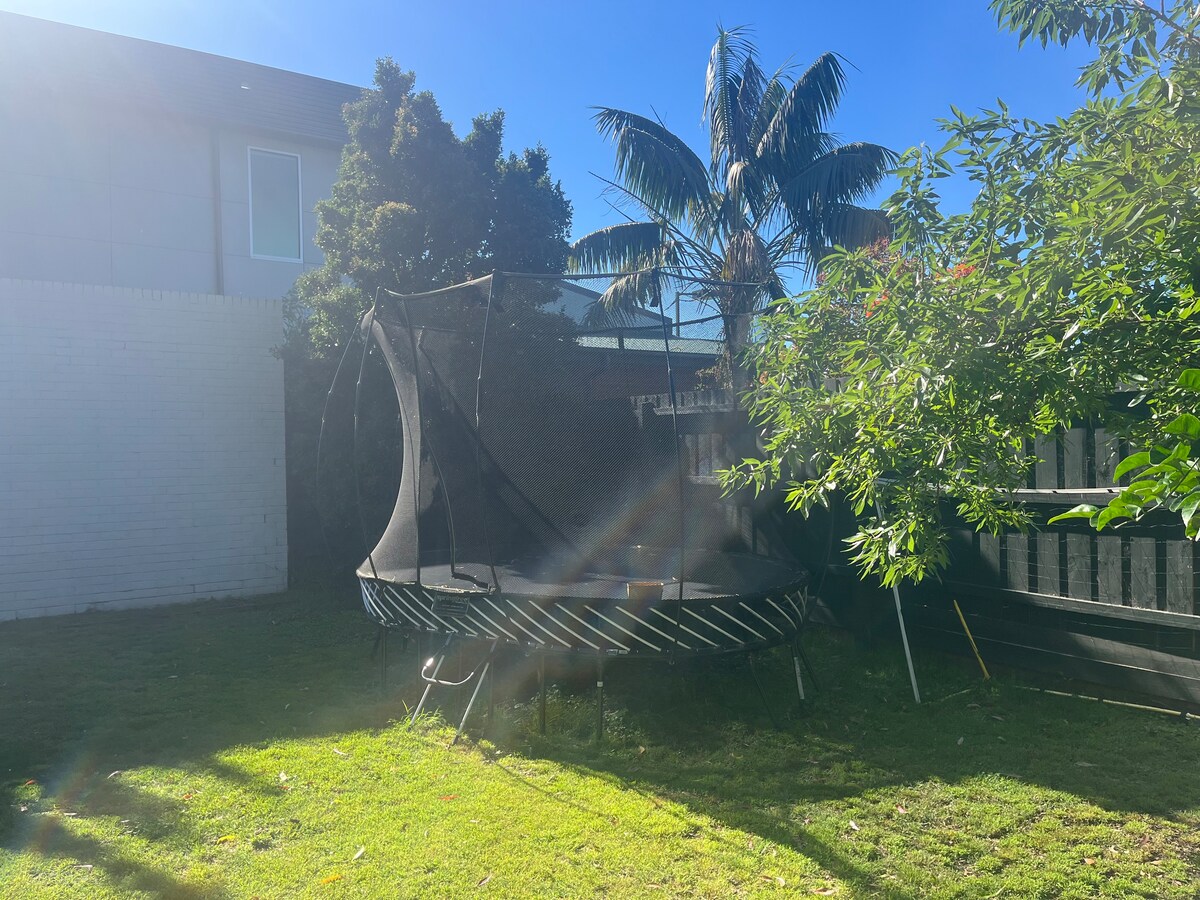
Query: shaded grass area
column 244, row 749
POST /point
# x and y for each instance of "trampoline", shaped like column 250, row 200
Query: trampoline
column 549, row 496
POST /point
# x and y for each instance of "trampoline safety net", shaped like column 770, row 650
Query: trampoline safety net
column 545, row 498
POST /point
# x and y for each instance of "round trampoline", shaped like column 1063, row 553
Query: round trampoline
column 557, row 485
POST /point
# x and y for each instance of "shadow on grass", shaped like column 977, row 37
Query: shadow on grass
column 84, row 696
column 699, row 736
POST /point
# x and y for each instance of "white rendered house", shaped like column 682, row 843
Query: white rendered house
column 155, row 206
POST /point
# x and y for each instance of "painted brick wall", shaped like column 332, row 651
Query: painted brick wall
column 141, row 448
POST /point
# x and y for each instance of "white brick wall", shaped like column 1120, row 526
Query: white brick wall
column 141, row 448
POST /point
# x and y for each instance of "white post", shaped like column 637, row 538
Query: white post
column 912, row 675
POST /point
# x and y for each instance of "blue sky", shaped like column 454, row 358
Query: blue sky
column 545, row 63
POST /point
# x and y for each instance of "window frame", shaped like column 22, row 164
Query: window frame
column 250, row 151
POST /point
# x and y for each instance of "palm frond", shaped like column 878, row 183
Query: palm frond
column 617, row 248
column 845, row 174
column 655, row 165
column 751, row 83
column 637, row 290
column 774, row 92
column 806, row 109
column 843, row 225
column 744, row 187
column 598, row 316
column 721, row 87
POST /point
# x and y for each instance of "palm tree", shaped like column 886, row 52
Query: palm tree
column 779, row 191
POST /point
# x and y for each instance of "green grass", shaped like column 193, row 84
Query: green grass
column 245, row 750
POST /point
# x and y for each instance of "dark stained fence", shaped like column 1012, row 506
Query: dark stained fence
column 1119, row 609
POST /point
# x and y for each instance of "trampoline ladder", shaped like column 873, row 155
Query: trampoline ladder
column 432, row 680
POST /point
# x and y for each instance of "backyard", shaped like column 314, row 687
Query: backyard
column 243, row 748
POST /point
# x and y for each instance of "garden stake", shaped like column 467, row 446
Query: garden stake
column 986, row 675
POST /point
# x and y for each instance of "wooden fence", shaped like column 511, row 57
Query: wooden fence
column 1119, row 609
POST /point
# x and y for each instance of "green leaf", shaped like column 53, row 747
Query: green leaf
column 1189, row 507
column 1190, row 379
column 1186, row 425
column 1129, row 463
column 1082, row 511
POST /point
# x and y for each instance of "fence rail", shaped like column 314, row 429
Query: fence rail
column 1119, row 609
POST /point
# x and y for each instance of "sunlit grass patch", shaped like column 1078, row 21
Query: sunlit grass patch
column 238, row 750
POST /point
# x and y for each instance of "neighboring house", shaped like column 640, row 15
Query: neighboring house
column 155, row 205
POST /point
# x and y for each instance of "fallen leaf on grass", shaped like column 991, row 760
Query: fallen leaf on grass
column 854, row 826
column 358, row 855
column 1086, row 765
column 330, row 879
column 283, row 776
column 30, row 781
column 448, row 797
column 188, row 796
column 484, row 880
column 900, row 809
column 226, row 839
column 340, row 752
column 960, row 740
column 825, row 892
column 1088, row 861
column 778, row 879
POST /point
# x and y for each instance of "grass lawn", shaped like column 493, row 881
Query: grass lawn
column 244, row 750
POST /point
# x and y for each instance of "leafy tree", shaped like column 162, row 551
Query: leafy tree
column 1074, row 274
column 414, row 208
column 778, row 192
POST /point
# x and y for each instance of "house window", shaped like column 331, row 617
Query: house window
column 275, row 205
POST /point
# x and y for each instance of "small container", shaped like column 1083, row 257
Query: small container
column 644, row 591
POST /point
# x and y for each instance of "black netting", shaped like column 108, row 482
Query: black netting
column 548, row 447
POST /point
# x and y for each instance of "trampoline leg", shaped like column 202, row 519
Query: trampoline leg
column 491, row 713
column 599, row 698
column 541, row 693
column 428, row 688
column 383, row 658
column 812, row 675
column 796, row 666
column 762, row 695
column 474, row 694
